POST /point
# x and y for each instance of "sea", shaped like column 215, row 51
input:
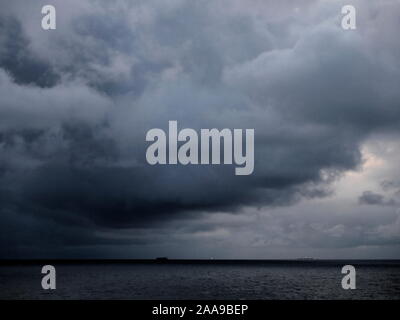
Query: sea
column 201, row 280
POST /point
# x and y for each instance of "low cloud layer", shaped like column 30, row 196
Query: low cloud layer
column 76, row 104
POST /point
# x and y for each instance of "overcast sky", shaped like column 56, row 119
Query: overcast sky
column 76, row 104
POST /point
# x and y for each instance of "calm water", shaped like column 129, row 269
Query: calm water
column 264, row 280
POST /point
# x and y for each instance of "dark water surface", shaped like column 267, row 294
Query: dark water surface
column 229, row 280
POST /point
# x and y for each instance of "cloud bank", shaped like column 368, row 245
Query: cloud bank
column 76, row 104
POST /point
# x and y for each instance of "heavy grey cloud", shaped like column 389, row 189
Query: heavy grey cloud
column 372, row 198
column 77, row 102
column 369, row 197
column 18, row 60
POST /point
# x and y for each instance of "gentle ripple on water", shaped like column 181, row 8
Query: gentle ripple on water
column 200, row 281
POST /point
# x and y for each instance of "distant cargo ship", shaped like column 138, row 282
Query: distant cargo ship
column 161, row 259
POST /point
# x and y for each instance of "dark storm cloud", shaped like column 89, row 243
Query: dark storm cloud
column 369, row 197
column 77, row 103
column 372, row 198
column 17, row 59
column 390, row 185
